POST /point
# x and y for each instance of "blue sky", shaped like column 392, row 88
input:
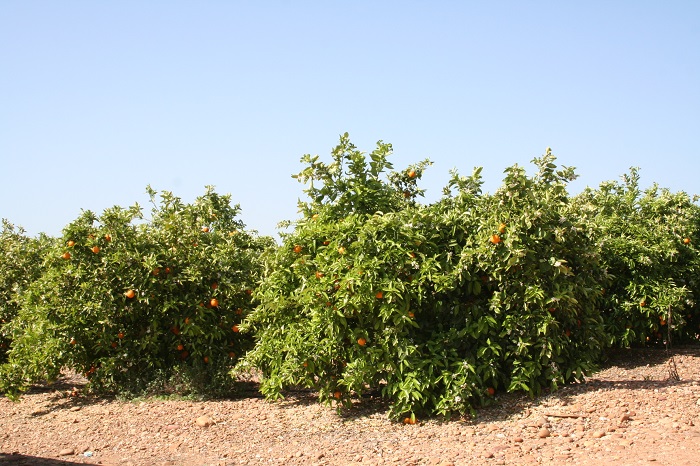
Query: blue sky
column 100, row 99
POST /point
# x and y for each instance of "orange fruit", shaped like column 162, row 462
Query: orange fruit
column 188, row 321
column 184, row 355
column 567, row 333
column 175, row 330
column 409, row 420
column 319, row 274
column 180, row 347
column 235, row 328
column 95, row 249
column 71, row 243
column 214, row 302
column 337, row 395
column 130, row 294
column 120, row 335
column 214, row 286
column 297, row 249
column 412, row 174
column 379, row 295
column 66, row 255
column 231, row 354
column 326, row 243
column 206, row 359
column 491, row 391
column 156, row 271
column 205, row 229
column 495, row 239
column 411, row 315
column 114, row 344
column 72, row 341
column 502, row 228
column 167, row 270
column 642, row 303
column 341, row 250
column 551, row 309
column 361, row 341
column 249, row 292
column 686, row 240
column 108, row 237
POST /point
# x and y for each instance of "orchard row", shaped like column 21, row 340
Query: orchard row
column 436, row 306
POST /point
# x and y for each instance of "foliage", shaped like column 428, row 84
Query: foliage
column 20, row 264
column 437, row 306
column 126, row 300
column 648, row 243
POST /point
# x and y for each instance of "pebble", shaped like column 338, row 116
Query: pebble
column 204, row 421
column 66, row 452
column 544, row 433
column 598, row 434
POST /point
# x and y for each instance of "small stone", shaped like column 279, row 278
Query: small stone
column 598, row 434
column 66, row 452
column 518, row 440
column 204, row 421
column 544, row 433
column 75, row 408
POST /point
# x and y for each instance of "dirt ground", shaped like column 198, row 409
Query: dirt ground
column 632, row 412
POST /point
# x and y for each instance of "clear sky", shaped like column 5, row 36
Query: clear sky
column 100, row 99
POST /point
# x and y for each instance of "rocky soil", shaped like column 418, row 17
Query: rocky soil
column 632, row 412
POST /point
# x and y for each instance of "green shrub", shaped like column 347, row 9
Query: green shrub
column 127, row 300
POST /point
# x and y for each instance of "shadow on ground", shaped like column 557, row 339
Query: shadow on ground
column 22, row 460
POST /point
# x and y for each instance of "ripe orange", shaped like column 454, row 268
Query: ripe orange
column 411, row 315
column 175, row 330
column 326, row 243
column 214, row 302
column 249, row 292
column 95, row 249
column 66, row 255
column 412, row 174
column 341, row 250
column 184, row 354
column 337, row 395
column 551, row 309
column 642, row 303
column 114, row 344
column 491, row 391
column 188, row 321
column 130, row 294
column 180, row 347
column 156, row 271
column 231, row 354
column 409, row 420
column 379, row 295
column 502, row 228
column 361, row 341
column 72, row 341
column 71, row 243
column 235, row 328
column 214, row 286
column 297, row 249
column 120, row 335
column 108, row 237
column 495, row 239
column 567, row 333
column 206, row 359
column 167, row 270
column 686, row 240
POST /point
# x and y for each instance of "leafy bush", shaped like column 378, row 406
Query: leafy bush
column 648, row 245
column 437, row 307
column 20, row 264
column 129, row 301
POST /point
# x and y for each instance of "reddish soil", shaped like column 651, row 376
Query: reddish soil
column 631, row 412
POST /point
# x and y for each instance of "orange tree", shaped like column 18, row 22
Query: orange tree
column 20, row 264
column 648, row 241
column 436, row 307
column 134, row 302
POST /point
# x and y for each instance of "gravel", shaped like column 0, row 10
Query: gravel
column 631, row 412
